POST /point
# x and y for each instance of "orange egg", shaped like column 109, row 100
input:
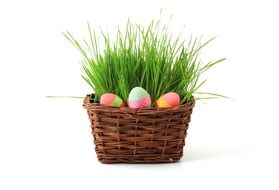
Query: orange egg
column 170, row 99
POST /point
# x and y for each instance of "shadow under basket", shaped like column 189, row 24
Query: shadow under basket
column 127, row 135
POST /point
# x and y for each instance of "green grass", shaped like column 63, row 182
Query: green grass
column 146, row 56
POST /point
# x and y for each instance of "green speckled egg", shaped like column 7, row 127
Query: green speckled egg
column 139, row 98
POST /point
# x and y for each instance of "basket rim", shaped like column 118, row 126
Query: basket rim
column 97, row 106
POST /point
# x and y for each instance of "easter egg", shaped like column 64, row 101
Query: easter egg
column 170, row 99
column 110, row 99
column 139, row 98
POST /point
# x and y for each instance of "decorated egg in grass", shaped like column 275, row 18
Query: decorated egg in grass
column 168, row 100
column 139, row 98
column 110, row 99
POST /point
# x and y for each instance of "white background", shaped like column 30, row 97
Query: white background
column 46, row 143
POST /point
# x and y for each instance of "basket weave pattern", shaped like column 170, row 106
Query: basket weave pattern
column 126, row 135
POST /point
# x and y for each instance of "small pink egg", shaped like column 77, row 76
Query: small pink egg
column 110, row 99
column 170, row 99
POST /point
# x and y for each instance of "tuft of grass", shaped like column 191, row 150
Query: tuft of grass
column 146, row 56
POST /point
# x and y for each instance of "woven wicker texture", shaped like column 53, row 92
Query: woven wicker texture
column 126, row 135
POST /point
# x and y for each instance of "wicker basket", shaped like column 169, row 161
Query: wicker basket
column 126, row 135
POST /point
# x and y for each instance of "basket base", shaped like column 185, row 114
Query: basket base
column 140, row 159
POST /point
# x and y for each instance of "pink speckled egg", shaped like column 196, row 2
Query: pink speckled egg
column 139, row 98
column 110, row 99
column 170, row 99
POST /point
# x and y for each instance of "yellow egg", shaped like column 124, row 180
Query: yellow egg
column 167, row 100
